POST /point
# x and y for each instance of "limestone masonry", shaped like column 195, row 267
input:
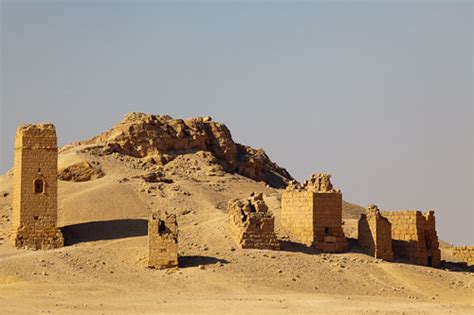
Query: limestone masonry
column 464, row 254
column 414, row 236
column 162, row 240
column 312, row 214
column 252, row 224
column 375, row 234
column 35, row 188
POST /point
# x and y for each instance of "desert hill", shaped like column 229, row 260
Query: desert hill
column 161, row 139
column 111, row 183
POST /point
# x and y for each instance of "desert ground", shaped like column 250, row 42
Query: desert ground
column 103, row 267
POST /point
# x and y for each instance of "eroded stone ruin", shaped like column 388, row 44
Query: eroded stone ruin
column 162, row 240
column 375, row 234
column 464, row 254
column 312, row 214
column 414, row 236
column 252, row 223
column 35, row 188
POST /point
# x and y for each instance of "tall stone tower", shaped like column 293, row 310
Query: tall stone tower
column 35, row 188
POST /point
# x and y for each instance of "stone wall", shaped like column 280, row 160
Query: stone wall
column 464, row 254
column 162, row 240
column 35, row 188
column 414, row 236
column 252, row 224
column 312, row 214
column 297, row 216
column 375, row 234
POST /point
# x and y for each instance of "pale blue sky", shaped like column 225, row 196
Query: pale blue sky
column 378, row 94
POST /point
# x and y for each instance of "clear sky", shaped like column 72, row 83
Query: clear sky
column 380, row 94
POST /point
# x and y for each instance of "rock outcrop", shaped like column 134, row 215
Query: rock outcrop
column 80, row 172
column 161, row 139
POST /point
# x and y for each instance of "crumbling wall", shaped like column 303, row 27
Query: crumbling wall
column 375, row 234
column 320, row 182
column 35, row 188
column 464, row 254
column 252, row 224
column 162, row 240
column 312, row 214
column 414, row 236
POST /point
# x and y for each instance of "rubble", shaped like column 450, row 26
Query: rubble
column 252, row 223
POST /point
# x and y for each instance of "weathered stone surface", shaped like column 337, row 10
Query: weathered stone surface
column 35, row 188
column 414, row 236
column 375, row 234
column 252, row 224
column 162, row 240
column 81, row 172
column 319, row 183
column 163, row 138
column 312, row 214
column 464, row 254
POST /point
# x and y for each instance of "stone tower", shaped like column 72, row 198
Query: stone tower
column 162, row 240
column 312, row 214
column 414, row 236
column 375, row 234
column 35, row 188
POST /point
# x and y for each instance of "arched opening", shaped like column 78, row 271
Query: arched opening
column 39, row 186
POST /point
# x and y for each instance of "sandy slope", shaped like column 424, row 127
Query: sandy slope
column 103, row 270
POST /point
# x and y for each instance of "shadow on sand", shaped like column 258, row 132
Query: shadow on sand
column 194, row 261
column 290, row 246
column 104, row 230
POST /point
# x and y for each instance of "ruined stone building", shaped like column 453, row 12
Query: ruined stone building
column 414, row 236
column 35, row 188
column 252, row 224
column 312, row 214
column 375, row 234
column 162, row 240
column 464, row 254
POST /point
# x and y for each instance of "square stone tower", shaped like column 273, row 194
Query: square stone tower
column 312, row 214
column 375, row 234
column 162, row 240
column 414, row 236
column 35, row 188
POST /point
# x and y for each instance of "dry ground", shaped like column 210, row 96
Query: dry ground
column 103, row 268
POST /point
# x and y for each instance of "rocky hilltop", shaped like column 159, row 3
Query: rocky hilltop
column 161, row 139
